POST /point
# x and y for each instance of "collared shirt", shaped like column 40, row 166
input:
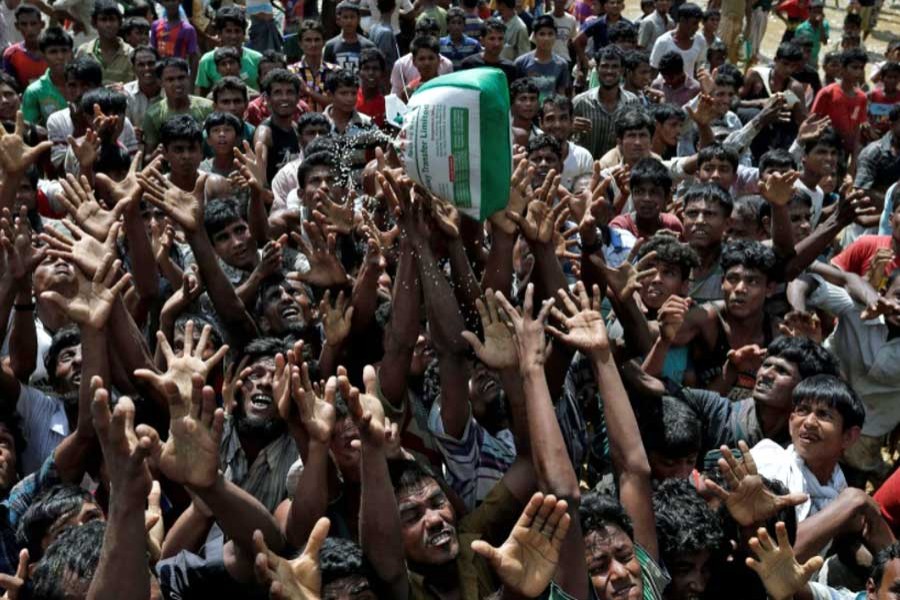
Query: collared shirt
column 868, row 356
column 879, row 165
column 14, row 506
column 313, row 78
column 44, row 423
column 41, row 99
column 138, row 102
column 117, row 70
column 602, row 135
column 266, row 478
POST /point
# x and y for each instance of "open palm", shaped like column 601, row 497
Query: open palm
column 94, row 299
column 585, row 330
column 498, row 351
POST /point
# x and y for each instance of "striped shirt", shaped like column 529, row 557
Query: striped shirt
column 476, row 461
column 602, row 136
column 313, row 78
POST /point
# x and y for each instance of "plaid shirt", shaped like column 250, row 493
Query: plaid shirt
column 15, row 505
column 315, row 80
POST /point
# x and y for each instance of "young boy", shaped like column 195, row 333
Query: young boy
column 473, row 19
column 43, row 97
column 638, row 74
column 456, row 45
column 223, row 132
column 425, row 51
column 174, row 76
column 844, row 102
column 494, row 33
column 172, row 36
column 707, row 212
column 370, row 100
column 229, row 95
column 655, row 24
column 382, row 33
column 677, row 88
column 311, row 68
column 135, row 31
column 279, row 133
column 228, row 61
column 225, row 221
column 883, row 98
column 231, row 23
column 344, row 48
column 24, row 60
column 831, row 66
column 108, row 49
column 515, row 40
column 549, row 71
column 815, row 27
column 651, row 191
column 523, row 98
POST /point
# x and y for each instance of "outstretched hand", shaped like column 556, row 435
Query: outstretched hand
column 777, row 566
column 531, row 344
column 583, row 323
column 498, row 351
column 297, row 579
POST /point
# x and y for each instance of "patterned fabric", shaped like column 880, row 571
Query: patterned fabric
column 602, row 136
column 179, row 39
column 313, row 78
column 15, row 505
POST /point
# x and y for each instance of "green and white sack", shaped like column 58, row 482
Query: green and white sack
column 456, row 140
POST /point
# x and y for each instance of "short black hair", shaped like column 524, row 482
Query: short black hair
column 854, row 55
column 230, row 83
column 663, row 112
column 608, row 53
column 635, row 58
column 670, row 250
column 274, row 56
column 280, row 76
column 727, row 80
column 407, row 475
column 107, row 8
column 311, row 25
column 684, row 522
column 829, row 138
column 223, row 53
column 748, row 254
column 147, row 49
column 652, row 171
column 222, row 118
column 563, row 103
column 834, row 392
column 633, row 118
column 375, row 55
column 711, row 13
column 9, row 80
column 54, row 504
column 85, row 69
column 672, row 429
column 180, row 128
column 315, row 159
column 622, row 31
column 110, row 102
column 308, row 119
column 386, row 6
column 688, row 10
column 541, row 22
column 74, row 555
column 809, row 357
column 340, row 78
column 777, row 158
column 427, row 26
column 789, row 51
column 26, row 9
column 222, row 212
column 544, row 140
column 230, row 14
column 719, row 152
column 425, row 42
column 263, row 347
column 172, row 61
column 131, row 23
column 54, row 37
column 494, row 24
column 599, row 510
column 523, row 85
column 63, row 338
column 882, row 558
column 671, row 63
column 709, row 191
column 340, row 558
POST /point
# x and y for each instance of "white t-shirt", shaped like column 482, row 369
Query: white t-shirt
column 578, row 162
column 566, row 29
column 375, row 17
column 693, row 57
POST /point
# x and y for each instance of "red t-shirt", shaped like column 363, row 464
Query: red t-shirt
column 847, row 112
column 628, row 223
column 22, row 64
column 373, row 107
column 857, row 256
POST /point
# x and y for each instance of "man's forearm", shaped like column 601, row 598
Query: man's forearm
column 310, row 497
column 146, row 275
column 23, row 336
column 239, row 514
column 123, row 571
column 465, row 284
column 403, row 328
column 498, row 272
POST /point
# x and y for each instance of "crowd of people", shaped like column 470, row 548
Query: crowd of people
column 247, row 354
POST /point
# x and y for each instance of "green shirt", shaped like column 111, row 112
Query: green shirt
column 117, row 70
column 41, row 99
column 159, row 111
column 207, row 74
column 806, row 29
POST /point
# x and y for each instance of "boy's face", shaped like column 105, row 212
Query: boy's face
column 138, row 36
column 370, row 74
column 674, row 80
column 662, row 6
column 456, row 26
column 30, row 26
column 711, row 24
column 668, row 281
column 175, row 83
column 745, row 290
column 184, row 157
column 282, row 99
column 348, row 20
column 669, row 130
column 723, row 96
column 890, row 81
column 57, row 57
column 231, row 101
column 821, row 160
column 75, row 89
column 344, row 98
column 107, row 26
column 556, row 121
column 544, row 160
column 426, row 62
column 609, row 72
column 26, row 196
column 9, row 103
column 544, row 38
column 649, row 200
column 312, row 43
column 690, row 573
column 640, row 76
column 663, row 466
column 229, row 67
column 854, row 73
column 744, row 226
column 833, row 69
column 718, row 171
column 235, row 246
column 705, row 223
column 801, row 220
column 525, row 106
column 232, row 35
column 635, row 145
column 222, row 139
column 311, row 132
column 493, row 43
column 613, row 564
column 689, row 26
column 817, row 432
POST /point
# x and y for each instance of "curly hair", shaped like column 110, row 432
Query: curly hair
column 598, row 510
column 749, row 254
column 670, row 250
column 684, row 522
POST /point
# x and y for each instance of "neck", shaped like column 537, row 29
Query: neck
column 149, row 89
column 709, row 256
column 647, row 226
column 349, row 36
column 822, row 471
column 58, row 78
column 109, row 44
column 608, row 94
column 185, row 182
column 31, row 45
column 809, row 179
column 178, row 103
column 284, row 122
column 490, row 58
column 223, row 163
column 543, row 53
column 314, row 61
column 746, row 328
column 847, row 86
column 658, row 145
column 772, row 420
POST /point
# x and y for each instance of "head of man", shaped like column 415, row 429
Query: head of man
column 57, row 508
column 230, row 96
column 673, row 263
column 707, row 216
column 256, row 412
column 427, row 519
column 609, row 66
column 748, row 279
column 545, row 153
column 788, row 361
column 69, row 565
column 671, row 69
column 346, row 574
column 63, row 362
column 609, row 548
column 182, row 143
column 634, row 134
column 672, row 438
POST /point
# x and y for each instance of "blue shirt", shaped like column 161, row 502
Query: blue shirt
column 456, row 53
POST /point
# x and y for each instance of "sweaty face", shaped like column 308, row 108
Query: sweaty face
column 745, row 291
column 428, row 525
column 690, row 574
column 544, row 160
column 775, row 382
column 705, row 223
column 817, row 433
column 667, row 281
column 281, row 309
column 258, row 402
column 612, row 564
